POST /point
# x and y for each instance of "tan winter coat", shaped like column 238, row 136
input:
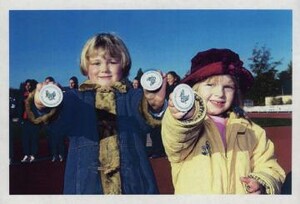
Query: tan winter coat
column 201, row 165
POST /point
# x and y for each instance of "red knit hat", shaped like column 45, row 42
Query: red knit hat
column 217, row 62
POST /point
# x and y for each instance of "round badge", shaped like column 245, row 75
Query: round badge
column 183, row 97
column 51, row 95
column 151, row 80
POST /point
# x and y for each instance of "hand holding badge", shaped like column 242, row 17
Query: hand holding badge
column 183, row 97
column 50, row 95
column 151, row 80
column 154, row 86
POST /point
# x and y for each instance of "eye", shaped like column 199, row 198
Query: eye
column 96, row 63
column 114, row 61
column 229, row 87
column 209, row 84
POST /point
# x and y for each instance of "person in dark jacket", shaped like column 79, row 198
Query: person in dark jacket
column 30, row 131
column 106, row 122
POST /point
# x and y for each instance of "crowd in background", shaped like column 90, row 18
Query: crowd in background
column 31, row 133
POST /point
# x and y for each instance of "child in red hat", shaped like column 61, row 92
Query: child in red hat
column 214, row 148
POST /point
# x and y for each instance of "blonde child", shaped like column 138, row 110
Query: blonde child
column 105, row 113
column 213, row 148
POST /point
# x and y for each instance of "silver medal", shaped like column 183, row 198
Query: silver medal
column 51, row 95
column 183, row 97
column 151, row 80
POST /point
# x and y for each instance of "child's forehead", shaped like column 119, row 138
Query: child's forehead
column 98, row 52
column 220, row 78
column 101, row 52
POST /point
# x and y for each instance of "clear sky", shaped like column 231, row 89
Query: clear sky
column 49, row 42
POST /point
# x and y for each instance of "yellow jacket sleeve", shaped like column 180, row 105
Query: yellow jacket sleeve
column 179, row 136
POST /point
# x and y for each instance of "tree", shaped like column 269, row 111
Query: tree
column 139, row 74
column 285, row 79
column 265, row 83
column 261, row 58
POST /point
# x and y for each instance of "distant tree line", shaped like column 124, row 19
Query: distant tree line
column 267, row 80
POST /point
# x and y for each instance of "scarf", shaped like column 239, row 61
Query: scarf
column 109, row 152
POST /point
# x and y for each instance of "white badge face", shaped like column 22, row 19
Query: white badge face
column 183, row 97
column 151, row 80
column 51, row 95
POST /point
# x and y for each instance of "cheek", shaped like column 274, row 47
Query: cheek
column 203, row 93
column 92, row 72
column 230, row 97
column 118, row 74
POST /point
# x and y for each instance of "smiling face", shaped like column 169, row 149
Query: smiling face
column 104, row 69
column 218, row 92
column 105, row 59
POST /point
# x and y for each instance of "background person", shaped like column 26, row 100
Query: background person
column 173, row 79
column 73, row 82
column 55, row 138
column 30, row 131
column 136, row 83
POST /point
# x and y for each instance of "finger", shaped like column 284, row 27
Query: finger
column 170, row 102
column 245, row 180
column 254, row 192
column 39, row 86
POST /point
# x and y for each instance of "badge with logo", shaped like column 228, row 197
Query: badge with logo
column 206, row 149
column 151, row 80
column 51, row 95
column 183, row 97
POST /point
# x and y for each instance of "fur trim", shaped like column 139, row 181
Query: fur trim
column 109, row 156
column 144, row 109
column 44, row 119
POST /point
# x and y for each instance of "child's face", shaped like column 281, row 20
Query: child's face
column 104, row 69
column 218, row 93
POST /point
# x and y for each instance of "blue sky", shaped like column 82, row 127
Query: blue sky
column 49, row 42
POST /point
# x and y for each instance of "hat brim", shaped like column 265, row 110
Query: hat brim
column 244, row 77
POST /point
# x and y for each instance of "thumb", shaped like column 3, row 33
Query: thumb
column 39, row 86
column 245, row 179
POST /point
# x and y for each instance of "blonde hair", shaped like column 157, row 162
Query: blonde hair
column 112, row 45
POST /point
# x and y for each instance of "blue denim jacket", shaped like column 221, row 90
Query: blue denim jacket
column 77, row 119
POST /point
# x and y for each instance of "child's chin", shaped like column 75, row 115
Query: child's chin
column 103, row 83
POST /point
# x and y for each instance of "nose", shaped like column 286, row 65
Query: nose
column 218, row 91
column 104, row 68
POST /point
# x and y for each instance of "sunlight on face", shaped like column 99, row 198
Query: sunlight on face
column 104, row 69
column 218, row 92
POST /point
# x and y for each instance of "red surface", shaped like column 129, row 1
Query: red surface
column 45, row 177
column 270, row 115
column 282, row 139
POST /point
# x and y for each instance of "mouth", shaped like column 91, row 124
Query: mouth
column 104, row 77
column 217, row 103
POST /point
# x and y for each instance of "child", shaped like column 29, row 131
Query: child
column 213, row 148
column 105, row 110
